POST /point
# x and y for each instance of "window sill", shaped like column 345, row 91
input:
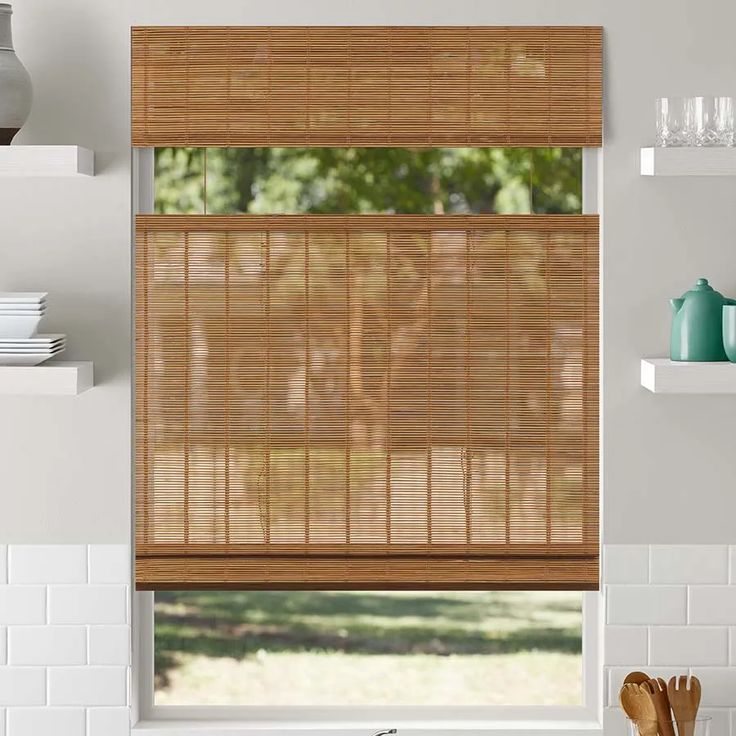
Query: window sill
column 413, row 728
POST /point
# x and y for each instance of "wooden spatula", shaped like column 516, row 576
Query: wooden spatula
column 684, row 701
column 657, row 688
column 639, row 706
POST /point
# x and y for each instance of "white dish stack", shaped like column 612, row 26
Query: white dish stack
column 20, row 314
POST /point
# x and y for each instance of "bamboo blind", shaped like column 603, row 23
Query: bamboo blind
column 367, row 401
column 366, row 86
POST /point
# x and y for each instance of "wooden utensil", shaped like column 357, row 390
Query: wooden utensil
column 636, row 677
column 639, row 706
column 684, row 701
column 657, row 688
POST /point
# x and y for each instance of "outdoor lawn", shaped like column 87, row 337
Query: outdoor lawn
column 368, row 648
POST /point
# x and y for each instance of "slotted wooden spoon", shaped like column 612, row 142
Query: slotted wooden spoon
column 639, row 706
column 684, row 701
column 657, row 688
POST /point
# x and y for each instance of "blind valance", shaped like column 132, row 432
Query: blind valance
column 367, row 401
column 366, row 86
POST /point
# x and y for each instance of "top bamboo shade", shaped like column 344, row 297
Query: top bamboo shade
column 366, row 86
column 367, row 401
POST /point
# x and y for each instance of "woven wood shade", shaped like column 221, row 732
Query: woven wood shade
column 366, row 86
column 367, row 401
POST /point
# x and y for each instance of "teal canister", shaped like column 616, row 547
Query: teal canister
column 697, row 324
column 729, row 331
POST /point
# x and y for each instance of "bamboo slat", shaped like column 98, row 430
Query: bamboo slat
column 367, row 86
column 367, row 401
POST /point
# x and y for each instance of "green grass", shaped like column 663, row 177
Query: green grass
column 350, row 647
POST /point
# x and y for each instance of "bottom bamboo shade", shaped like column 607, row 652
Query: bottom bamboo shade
column 367, row 402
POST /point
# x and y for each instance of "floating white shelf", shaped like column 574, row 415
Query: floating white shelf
column 46, row 161
column 688, row 161
column 55, row 378
column 664, row 376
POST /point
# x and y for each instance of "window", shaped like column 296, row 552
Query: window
column 229, row 181
column 368, row 648
column 366, row 382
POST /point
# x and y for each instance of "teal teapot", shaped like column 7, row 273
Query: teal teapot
column 697, row 324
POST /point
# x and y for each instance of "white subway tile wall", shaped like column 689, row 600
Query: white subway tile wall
column 65, row 632
column 688, row 563
column 671, row 610
column 64, row 640
column 37, row 721
column 47, row 563
column 111, row 645
column 109, row 563
column 108, row 722
column 626, row 563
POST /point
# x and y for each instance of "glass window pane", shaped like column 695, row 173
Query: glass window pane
column 179, row 184
column 368, row 648
column 369, row 180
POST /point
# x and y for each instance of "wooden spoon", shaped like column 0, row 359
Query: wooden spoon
column 636, row 677
column 684, row 702
column 639, row 706
column 657, row 688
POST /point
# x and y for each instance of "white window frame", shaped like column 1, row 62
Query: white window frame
column 150, row 719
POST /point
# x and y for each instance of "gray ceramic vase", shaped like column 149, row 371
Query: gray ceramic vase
column 16, row 91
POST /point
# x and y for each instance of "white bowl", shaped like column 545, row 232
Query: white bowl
column 17, row 326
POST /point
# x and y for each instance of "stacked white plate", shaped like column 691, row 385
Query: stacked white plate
column 20, row 314
column 32, row 350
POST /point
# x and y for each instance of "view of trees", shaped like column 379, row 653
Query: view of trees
column 369, row 180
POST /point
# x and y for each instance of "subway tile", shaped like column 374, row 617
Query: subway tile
column 3, row 645
column 46, row 722
column 3, row 564
column 109, row 563
column 688, row 645
column 47, row 563
column 22, row 604
column 688, row 563
column 88, row 604
column 712, row 604
column 646, row 604
column 718, row 685
column 720, row 717
column 625, row 563
column 88, row 686
column 109, row 645
column 108, row 722
column 47, row 645
column 22, row 686
column 624, row 644
column 614, row 722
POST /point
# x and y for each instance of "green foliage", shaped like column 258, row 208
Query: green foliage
column 368, row 180
column 241, row 623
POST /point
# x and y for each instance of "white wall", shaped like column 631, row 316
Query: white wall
column 65, row 461
column 669, row 469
